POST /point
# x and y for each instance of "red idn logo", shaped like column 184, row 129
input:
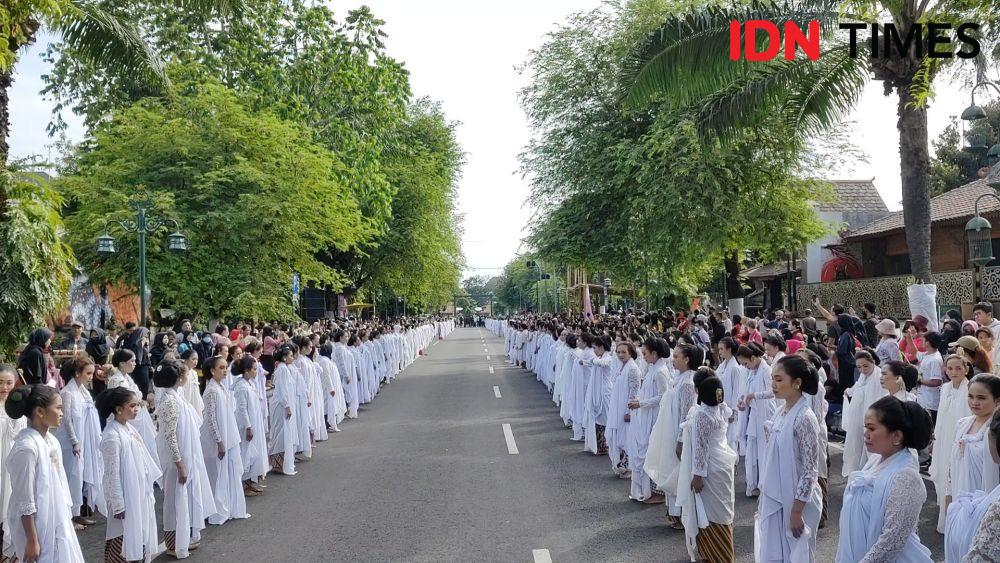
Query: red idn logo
column 794, row 38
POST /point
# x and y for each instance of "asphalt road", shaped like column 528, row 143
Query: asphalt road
column 425, row 474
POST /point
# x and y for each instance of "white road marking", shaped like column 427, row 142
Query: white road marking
column 491, row 370
column 508, row 435
column 496, row 392
column 541, row 555
column 487, row 357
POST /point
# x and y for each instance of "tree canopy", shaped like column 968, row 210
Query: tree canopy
column 637, row 192
column 955, row 163
column 394, row 161
column 257, row 198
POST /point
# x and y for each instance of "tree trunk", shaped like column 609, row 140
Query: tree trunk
column 6, row 79
column 914, row 161
column 734, row 288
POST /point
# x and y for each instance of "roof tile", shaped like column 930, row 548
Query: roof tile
column 955, row 204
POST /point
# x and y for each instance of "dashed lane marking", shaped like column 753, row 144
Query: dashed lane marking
column 491, row 370
column 541, row 556
column 496, row 392
column 508, row 435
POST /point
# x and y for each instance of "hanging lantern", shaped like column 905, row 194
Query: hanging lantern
column 177, row 243
column 979, row 232
column 105, row 244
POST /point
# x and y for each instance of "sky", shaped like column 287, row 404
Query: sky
column 465, row 54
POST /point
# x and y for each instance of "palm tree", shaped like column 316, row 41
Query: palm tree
column 686, row 62
column 35, row 263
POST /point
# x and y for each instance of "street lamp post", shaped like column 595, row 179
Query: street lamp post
column 979, row 230
column 142, row 226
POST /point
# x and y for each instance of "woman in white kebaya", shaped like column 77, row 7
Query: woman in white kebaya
column 972, row 466
column 9, row 429
column 187, row 491
column 866, row 390
column 643, row 413
column 790, row 503
column 756, row 408
column 250, row 425
column 974, row 518
column 705, row 479
column 38, row 513
column 882, row 502
column 581, row 380
column 819, row 406
column 953, row 407
column 345, row 364
column 335, row 406
column 664, row 453
column 191, row 392
column 731, row 374
column 598, row 396
column 625, row 389
column 129, row 474
column 80, row 437
column 301, row 370
column 899, row 379
column 573, row 355
column 220, row 443
column 283, row 437
column 123, row 362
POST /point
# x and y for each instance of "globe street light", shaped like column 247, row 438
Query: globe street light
column 142, row 226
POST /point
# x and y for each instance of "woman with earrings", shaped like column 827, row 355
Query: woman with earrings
column 972, row 466
column 974, row 519
column 953, row 407
column 283, row 438
column 791, row 502
column 665, row 441
column 756, row 407
column 129, row 474
column 643, row 413
column 220, row 444
column 882, row 501
column 9, row 429
column 705, row 479
column 80, row 436
column 731, row 374
column 38, row 516
column 191, row 392
column 865, row 391
column 899, row 379
column 187, row 491
column 250, row 426
column 123, row 362
column 624, row 389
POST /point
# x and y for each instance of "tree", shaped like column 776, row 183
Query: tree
column 686, row 63
column 401, row 159
column 34, row 260
column 256, row 196
column 35, row 271
column 418, row 254
column 636, row 193
column 955, row 165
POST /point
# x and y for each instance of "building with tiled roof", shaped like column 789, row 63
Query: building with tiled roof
column 881, row 245
column 856, row 203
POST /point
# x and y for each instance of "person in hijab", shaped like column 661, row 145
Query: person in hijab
column 98, row 350
column 32, row 361
column 846, row 344
column 161, row 344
